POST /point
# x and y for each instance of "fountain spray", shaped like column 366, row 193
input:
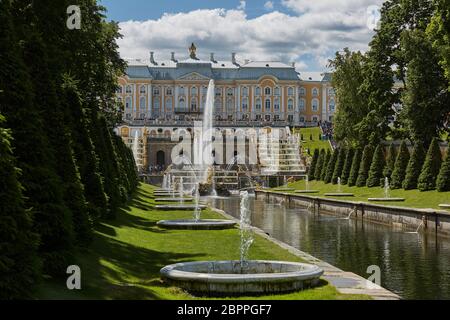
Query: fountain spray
column 245, row 228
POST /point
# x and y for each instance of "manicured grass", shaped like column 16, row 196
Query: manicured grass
column 414, row 198
column 315, row 143
column 127, row 254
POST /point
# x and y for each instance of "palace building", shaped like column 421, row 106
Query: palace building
column 159, row 96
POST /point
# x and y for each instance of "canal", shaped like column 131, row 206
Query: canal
column 413, row 265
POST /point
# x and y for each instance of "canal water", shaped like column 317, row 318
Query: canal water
column 415, row 266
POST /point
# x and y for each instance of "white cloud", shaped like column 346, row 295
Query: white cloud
column 268, row 5
column 310, row 37
column 241, row 5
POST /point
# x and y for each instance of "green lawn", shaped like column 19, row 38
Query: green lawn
column 414, row 198
column 315, row 143
column 127, row 254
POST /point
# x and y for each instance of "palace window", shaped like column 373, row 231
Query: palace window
column 290, row 91
column 218, row 92
column 258, row 104
column 142, row 90
column 182, row 103
column 229, row 91
column 314, row 119
column 156, row 91
column 169, row 91
column 244, row 104
column 230, row 107
column 276, row 117
column 181, row 91
column 128, row 103
column 142, row 103
column 290, row 118
column 156, row 104
column 267, row 91
column 193, row 91
column 302, row 104
column 119, row 89
column 276, row 104
column 290, row 104
column 128, row 89
column 218, row 105
column 332, row 105
column 331, row 92
column 168, row 104
column 315, row 105
column 315, row 92
column 204, row 90
column 258, row 91
column 277, row 91
column 302, row 91
column 258, row 117
column 267, row 105
column 193, row 104
column 302, row 119
column 245, row 91
column 267, row 117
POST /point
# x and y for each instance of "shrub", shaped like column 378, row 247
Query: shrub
column 431, row 167
column 331, row 165
column 364, row 167
column 313, row 165
column 356, row 162
column 376, row 168
column 320, row 164
column 414, row 167
column 339, row 166
column 323, row 173
column 347, row 165
column 443, row 180
column 401, row 163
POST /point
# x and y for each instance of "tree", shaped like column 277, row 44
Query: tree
column 19, row 264
column 414, row 167
column 320, row 164
column 375, row 177
column 401, row 163
column 443, row 180
column 356, row 162
column 390, row 162
column 331, row 165
column 339, row 166
column 431, row 167
column 364, row 167
column 313, row 165
column 323, row 173
column 347, row 165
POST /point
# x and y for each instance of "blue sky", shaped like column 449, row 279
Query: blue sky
column 306, row 32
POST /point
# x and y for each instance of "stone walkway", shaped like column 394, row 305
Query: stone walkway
column 345, row 282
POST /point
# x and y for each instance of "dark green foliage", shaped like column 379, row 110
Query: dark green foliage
column 323, row 173
column 320, row 164
column 331, row 165
column 375, row 177
column 401, row 163
column 19, row 265
column 356, row 162
column 431, row 167
column 347, row 165
column 390, row 162
column 339, row 166
column 364, row 167
column 310, row 137
column 443, row 180
column 414, row 167
column 312, row 168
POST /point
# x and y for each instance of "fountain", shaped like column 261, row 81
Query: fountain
column 387, row 196
column 213, row 186
column 135, row 148
column 243, row 276
column 307, row 190
column 285, row 186
column 339, row 192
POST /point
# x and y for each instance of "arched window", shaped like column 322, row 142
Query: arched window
column 128, row 103
column 142, row 103
column 267, row 91
column 258, row 91
column 244, row 104
column 302, row 104
column 193, row 104
column 119, row 89
column 229, row 91
column 182, row 103
column 290, row 91
column 302, row 91
column 277, row 91
column 315, row 92
column 129, row 89
column 193, row 91
column 218, row 105
column 169, row 104
column 142, row 90
column 169, row 91
column 315, row 105
column 267, row 105
column 332, row 105
column 204, row 90
column 218, row 92
column 245, row 91
column 276, row 104
column 181, row 91
column 156, row 106
column 290, row 104
column 258, row 104
column 230, row 107
column 156, row 91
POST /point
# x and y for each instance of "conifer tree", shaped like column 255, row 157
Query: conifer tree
column 431, row 167
column 320, row 163
column 375, row 177
column 443, row 180
column 347, row 165
column 414, row 167
column 401, row 163
column 325, row 165
column 313, row 165
column 339, row 166
column 356, row 162
column 364, row 167
column 331, row 165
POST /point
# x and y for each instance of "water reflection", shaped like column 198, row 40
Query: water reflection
column 415, row 266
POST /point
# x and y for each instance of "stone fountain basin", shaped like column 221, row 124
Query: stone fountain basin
column 386, row 199
column 444, row 206
column 191, row 224
column 172, row 199
column 339, row 194
column 179, row 206
column 229, row 278
column 306, row 191
column 284, row 189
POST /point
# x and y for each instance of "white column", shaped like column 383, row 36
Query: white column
column 324, row 103
column 296, row 105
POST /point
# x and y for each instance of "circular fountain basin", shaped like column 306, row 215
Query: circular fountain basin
column 444, row 206
column 191, row 224
column 284, row 189
column 306, row 191
column 229, row 278
column 172, row 199
column 339, row 194
column 386, row 199
column 179, row 206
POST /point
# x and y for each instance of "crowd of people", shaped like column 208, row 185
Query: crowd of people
column 156, row 169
